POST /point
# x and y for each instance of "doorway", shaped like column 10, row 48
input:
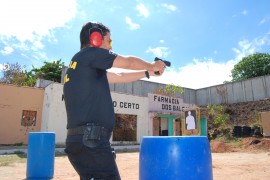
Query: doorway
column 160, row 126
column 177, row 127
column 165, row 125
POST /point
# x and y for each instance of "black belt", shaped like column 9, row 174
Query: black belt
column 80, row 131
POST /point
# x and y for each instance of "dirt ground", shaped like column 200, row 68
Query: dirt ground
column 250, row 161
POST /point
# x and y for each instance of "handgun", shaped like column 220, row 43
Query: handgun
column 168, row 63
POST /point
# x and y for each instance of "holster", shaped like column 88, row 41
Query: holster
column 92, row 133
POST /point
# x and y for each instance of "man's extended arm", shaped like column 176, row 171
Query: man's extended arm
column 135, row 63
column 126, row 77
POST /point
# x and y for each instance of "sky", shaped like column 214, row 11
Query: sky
column 203, row 39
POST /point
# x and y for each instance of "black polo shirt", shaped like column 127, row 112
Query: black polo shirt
column 86, row 89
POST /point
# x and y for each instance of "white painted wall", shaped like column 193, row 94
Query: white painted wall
column 54, row 118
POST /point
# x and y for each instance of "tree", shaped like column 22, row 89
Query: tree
column 50, row 71
column 217, row 115
column 15, row 74
column 254, row 65
column 169, row 90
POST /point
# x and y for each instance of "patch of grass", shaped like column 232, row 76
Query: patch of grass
column 235, row 142
column 232, row 141
column 8, row 160
column 18, row 144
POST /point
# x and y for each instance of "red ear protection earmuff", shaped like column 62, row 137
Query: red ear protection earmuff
column 96, row 36
column 95, row 39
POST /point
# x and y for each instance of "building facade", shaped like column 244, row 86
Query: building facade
column 150, row 113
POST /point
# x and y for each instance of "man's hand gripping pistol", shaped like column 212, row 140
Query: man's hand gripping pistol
column 168, row 63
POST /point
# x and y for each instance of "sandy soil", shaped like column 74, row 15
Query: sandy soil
column 249, row 163
column 247, row 166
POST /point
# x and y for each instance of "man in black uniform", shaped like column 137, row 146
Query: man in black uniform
column 90, row 112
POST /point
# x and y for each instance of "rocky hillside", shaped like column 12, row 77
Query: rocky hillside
column 242, row 114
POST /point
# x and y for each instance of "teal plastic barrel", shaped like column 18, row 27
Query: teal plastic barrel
column 40, row 155
column 175, row 157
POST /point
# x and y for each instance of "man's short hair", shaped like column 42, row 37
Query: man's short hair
column 85, row 32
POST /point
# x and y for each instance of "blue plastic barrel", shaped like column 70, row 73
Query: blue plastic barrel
column 40, row 155
column 175, row 158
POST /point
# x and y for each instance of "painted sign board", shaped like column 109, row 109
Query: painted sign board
column 162, row 103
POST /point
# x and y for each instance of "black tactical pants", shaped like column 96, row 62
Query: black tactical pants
column 93, row 163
